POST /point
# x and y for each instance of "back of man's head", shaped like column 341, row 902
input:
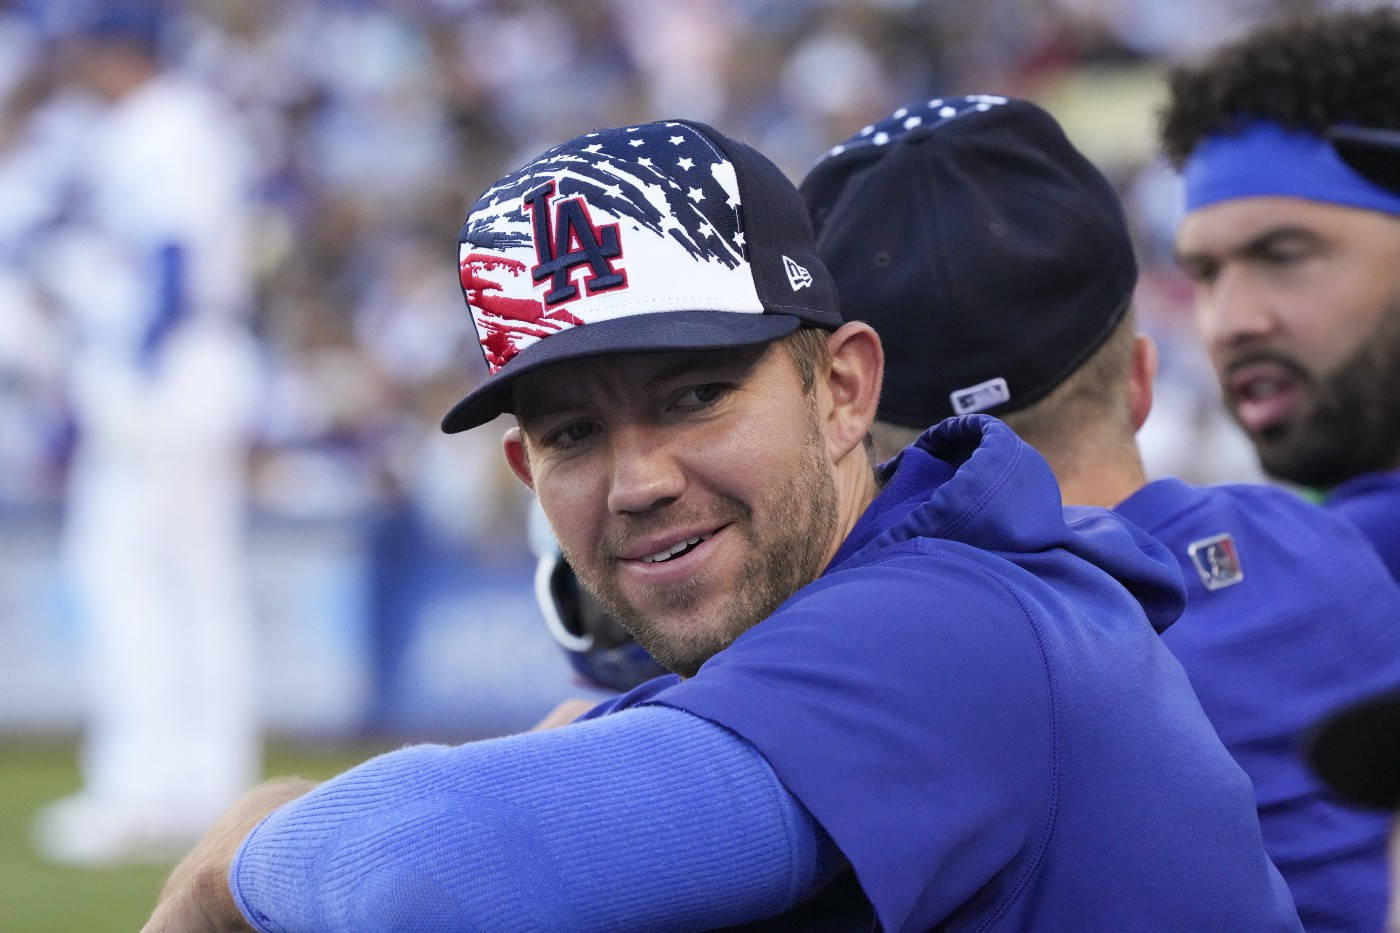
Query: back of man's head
column 993, row 259
column 1307, row 74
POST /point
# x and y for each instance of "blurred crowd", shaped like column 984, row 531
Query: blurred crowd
column 372, row 125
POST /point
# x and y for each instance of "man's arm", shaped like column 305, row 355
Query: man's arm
column 196, row 896
column 650, row 819
column 563, row 714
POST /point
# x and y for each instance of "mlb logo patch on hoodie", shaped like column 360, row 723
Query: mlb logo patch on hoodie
column 1217, row 561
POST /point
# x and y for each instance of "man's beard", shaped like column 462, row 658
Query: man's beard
column 1352, row 425
column 786, row 554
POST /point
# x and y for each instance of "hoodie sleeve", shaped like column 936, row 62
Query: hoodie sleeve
column 649, row 820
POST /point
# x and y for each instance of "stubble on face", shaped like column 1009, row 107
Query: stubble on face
column 1351, row 424
column 788, row 534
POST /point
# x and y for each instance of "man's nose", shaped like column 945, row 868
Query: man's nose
column 1235, row 310
column 647, row 471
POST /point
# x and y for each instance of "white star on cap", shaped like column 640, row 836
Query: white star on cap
column 867, row 129
column 637, row 142
column 593, row 148
column 947, row 112
column 901, row 113
column 686, row 163
column 912, row 122
column 739, row 238
column 880, row 138
column 677, row 140
column 644, row 161
column 696, row 195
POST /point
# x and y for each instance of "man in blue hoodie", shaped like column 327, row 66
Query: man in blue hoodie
column 1295, row 254
column 995, row 263
column 923, row 698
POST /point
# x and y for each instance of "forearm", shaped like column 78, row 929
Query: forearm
column 671, row 823
column 196, row 897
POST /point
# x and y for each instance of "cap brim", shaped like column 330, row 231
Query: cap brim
column 642, row 333
column 1372, row 152
column 1356, row 751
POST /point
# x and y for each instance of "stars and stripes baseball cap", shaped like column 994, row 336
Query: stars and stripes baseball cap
column 988, row 253
column 660, row 236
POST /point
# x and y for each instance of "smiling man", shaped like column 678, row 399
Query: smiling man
column 928, row 697
column 686, row 580
column 1296, row 256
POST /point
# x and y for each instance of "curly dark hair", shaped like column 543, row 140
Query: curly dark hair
column 1306, row 73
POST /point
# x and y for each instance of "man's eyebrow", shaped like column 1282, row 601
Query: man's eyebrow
column 1257, row 245
column 726, row 363
column 706, row 363
column 556, row 405
column 1278, row 236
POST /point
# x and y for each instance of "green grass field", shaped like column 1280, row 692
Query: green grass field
column 39, row 898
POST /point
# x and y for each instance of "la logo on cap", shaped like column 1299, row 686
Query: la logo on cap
column 798, row 276
column 566, row 237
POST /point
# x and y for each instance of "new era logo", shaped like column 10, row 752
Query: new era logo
column 798, row 277
column 1216, row 561
column 980, row 397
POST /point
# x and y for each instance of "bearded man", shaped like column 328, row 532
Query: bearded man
column 1295, row 254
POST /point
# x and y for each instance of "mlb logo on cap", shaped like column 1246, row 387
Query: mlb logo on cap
column 661, row 236
column 980, row 397
column 1216, row 561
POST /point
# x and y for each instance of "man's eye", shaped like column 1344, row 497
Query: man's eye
column 1202, row 273
column 575, row 432
column 1285, row 257
column 699, row 396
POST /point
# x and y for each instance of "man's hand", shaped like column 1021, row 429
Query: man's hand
column 196, row 897
column 563, row 714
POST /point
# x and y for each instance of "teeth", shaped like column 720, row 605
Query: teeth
column 673, row 550
column 1261, row 388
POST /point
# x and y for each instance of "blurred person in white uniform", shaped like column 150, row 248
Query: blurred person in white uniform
column 150, row 267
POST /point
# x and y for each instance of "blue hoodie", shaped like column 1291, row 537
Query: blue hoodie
column 1297, row 618
column 1372, row 502
column 970, row 710
column 973, row 701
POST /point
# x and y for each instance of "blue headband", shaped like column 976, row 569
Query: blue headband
column 1263, row 159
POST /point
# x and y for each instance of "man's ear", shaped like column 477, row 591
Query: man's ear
column 853, row 381
column 514, row 445
column 1140, row 378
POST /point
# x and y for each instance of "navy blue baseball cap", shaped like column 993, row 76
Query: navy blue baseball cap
column 1371, row 151
column 661, row 236
column 989, row 254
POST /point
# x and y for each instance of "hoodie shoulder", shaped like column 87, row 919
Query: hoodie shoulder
column 971, row 480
